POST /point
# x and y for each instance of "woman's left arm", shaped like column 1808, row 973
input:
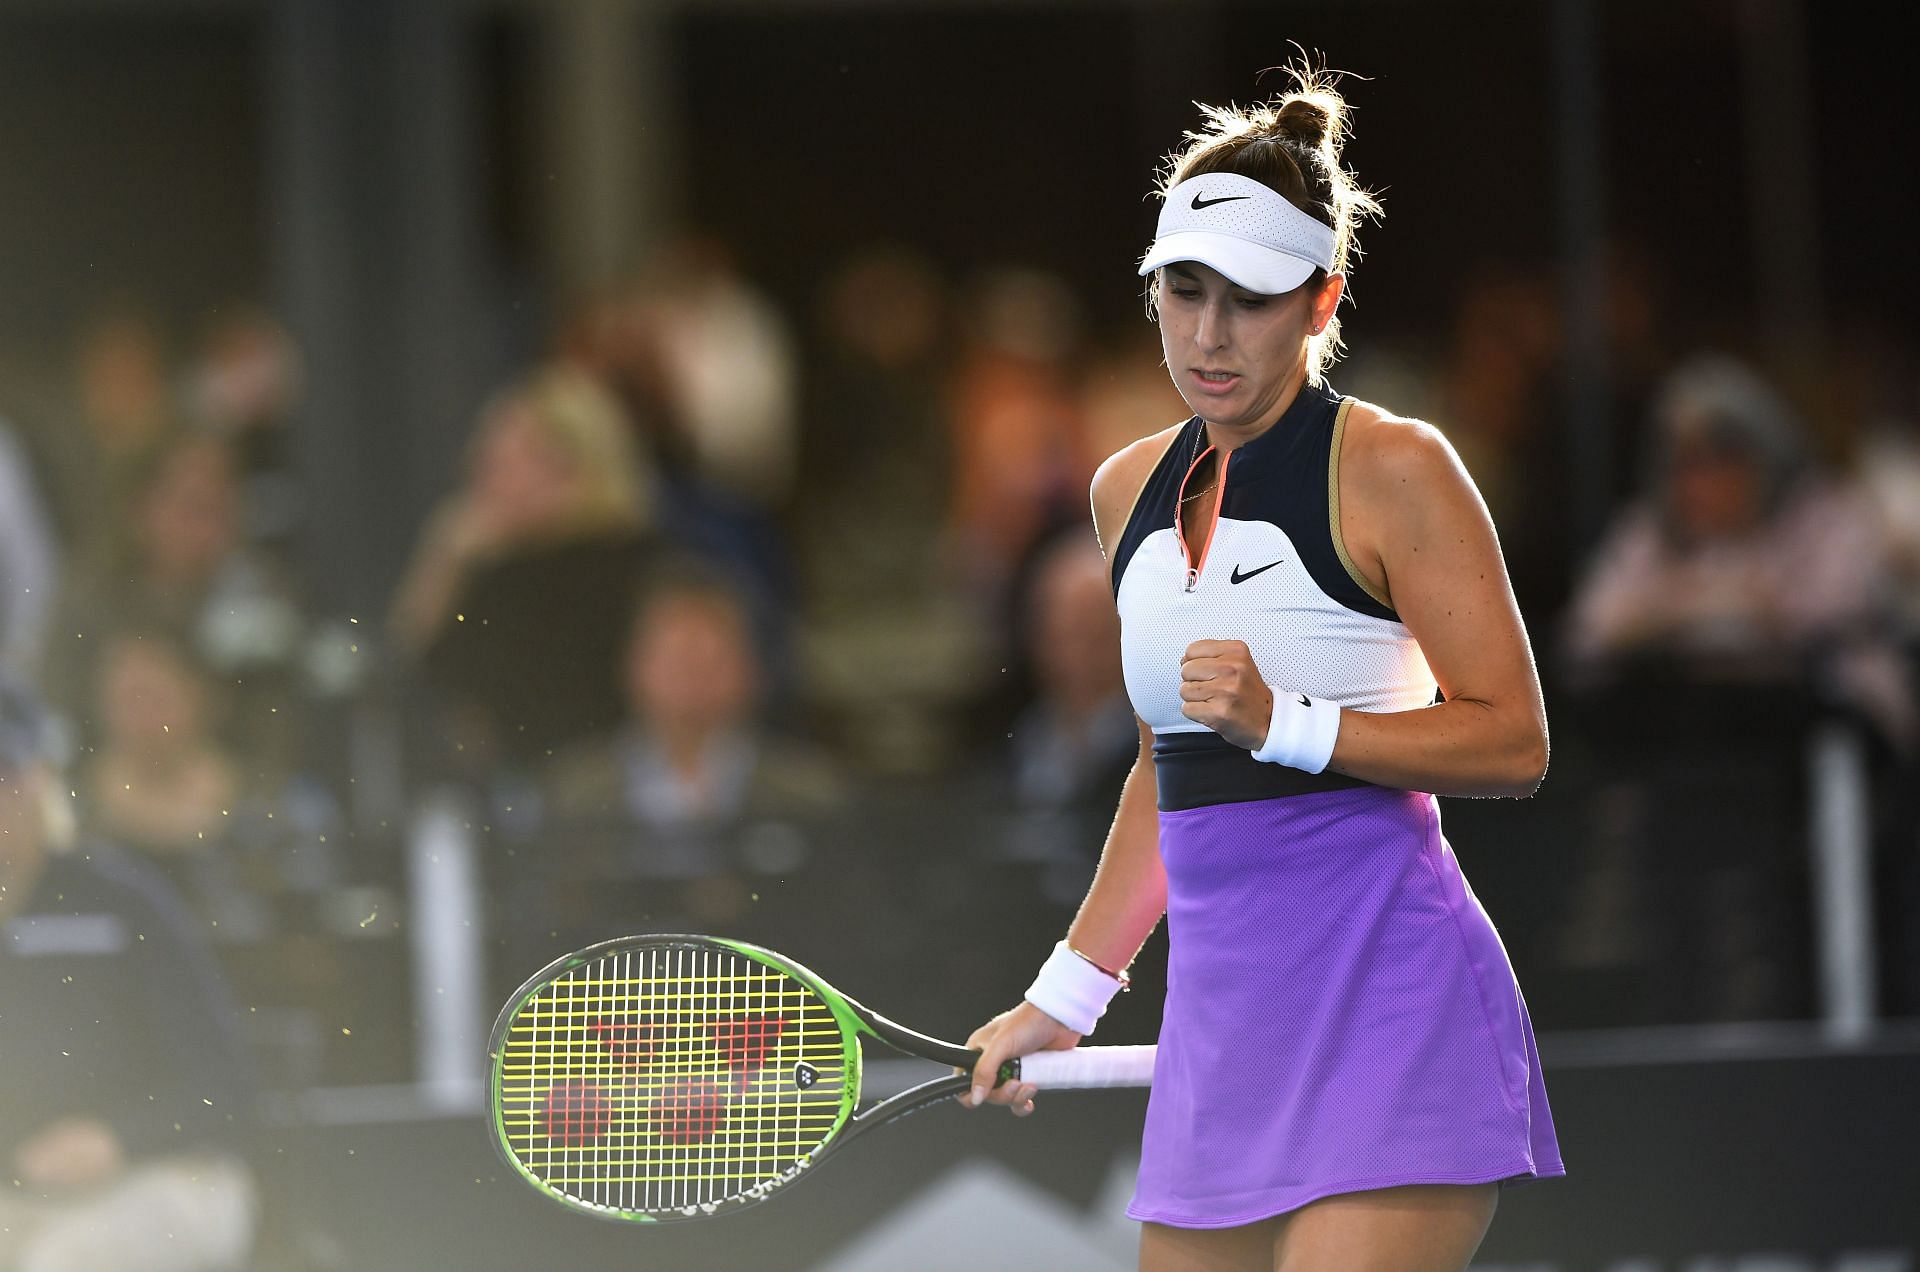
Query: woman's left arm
column 1416, row 527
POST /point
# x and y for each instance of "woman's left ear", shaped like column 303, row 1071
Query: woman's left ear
column 1326, row 300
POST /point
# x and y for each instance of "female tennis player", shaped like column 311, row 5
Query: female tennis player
column 1346, row 1072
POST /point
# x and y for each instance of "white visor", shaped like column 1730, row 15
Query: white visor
column 1243, row 229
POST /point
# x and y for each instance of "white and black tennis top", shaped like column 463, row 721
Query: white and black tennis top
column 1274, row 574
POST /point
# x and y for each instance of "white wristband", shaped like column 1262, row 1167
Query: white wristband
column 1072, row 990
column 1302, row 732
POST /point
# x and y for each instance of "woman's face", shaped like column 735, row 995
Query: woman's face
column 1235, row 354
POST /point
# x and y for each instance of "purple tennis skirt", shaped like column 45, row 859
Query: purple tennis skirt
column 1340, row 1015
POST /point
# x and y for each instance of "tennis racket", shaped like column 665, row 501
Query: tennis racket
column 662, row 1078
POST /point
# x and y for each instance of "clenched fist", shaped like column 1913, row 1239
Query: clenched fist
column 1221, row 688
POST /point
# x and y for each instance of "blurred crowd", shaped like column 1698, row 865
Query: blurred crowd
column 786, row 621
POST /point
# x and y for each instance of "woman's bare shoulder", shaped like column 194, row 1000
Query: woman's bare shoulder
column 1120, row 478
column 1383, row 445
column 1403, row 489
column 1399, row 466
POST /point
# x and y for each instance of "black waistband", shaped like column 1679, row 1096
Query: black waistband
column 1194, row 770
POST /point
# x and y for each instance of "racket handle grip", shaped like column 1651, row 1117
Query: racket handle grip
column 1084, row 1067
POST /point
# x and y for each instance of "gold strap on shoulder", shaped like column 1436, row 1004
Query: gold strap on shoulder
column 1333, row 505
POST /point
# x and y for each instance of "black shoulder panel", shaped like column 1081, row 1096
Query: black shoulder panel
column 1153, row 509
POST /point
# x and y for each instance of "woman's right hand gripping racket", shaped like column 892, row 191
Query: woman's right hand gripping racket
column 677, row 1077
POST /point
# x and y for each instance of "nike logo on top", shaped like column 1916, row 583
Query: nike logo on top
column 1237, row 577
column 1199, row 202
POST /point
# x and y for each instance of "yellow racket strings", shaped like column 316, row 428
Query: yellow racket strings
column 669, row 1078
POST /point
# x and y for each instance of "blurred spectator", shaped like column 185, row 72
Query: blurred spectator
column 185, row 571
column 127, row 1114
column 1740, row 594
column 691, row 751
column 242, row 386
column 122, row 413
column 888, row 656
column 511, row 602
column 1496, row 385
column 692, row 799
column 1074, row 744
column 711, row 361
column 609, row 334
column 1016, row 426
column 1505, row 339
column 158, row 781
column 1741, row 559
column 727, row 370
column 876, row 437
column 29, row 558
column 1124, row 395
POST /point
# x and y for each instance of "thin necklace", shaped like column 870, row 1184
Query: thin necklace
column 1192, row 459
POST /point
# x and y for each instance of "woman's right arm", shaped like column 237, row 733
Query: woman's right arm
column 1129, row 892
column 1128, row 896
